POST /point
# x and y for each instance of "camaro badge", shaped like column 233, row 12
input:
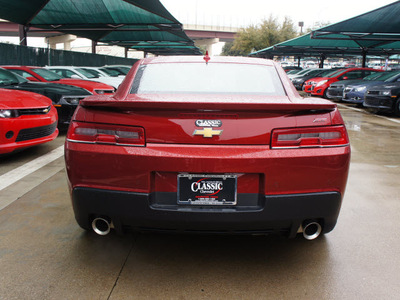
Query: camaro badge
column 207, row 132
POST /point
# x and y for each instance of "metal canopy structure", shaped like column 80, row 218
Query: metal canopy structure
column 306, row 46
column 369, row 29
column 373, row 33
column 128, row 23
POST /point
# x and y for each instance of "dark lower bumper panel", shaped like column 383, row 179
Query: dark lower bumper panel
column 280, row 214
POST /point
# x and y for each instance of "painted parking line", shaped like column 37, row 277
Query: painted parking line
column 362, row 110
column 17, row 174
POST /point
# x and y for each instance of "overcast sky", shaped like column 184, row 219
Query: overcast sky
column 238, row 13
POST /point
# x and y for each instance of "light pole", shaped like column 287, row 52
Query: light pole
column 301, row 24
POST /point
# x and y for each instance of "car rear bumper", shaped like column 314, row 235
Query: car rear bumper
column 142, row 211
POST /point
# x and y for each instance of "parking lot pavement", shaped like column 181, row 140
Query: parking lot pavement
column 45, row 255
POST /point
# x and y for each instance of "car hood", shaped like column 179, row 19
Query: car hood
column 365, row 83
column 349, row 82
column 86, row 84
column 19, row 100
column 113, row 81
column 318, row 79
column 385, row 86
column 48, row 87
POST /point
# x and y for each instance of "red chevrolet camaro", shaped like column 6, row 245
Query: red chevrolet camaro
column 39, row 74
column 220, row 145
column 26, row 119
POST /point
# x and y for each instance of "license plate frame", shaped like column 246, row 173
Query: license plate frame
column 207, row 189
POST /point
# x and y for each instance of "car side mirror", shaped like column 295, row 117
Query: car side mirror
column 345, row 78
column 75, row 77
column 31, row 78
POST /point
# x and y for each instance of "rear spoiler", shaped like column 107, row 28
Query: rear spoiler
column 252, row 103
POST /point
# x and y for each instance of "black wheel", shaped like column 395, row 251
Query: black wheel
column 324, row 94
column 397, row 108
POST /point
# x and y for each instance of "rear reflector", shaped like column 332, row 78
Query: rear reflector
column 330, row 136
column 95, row 133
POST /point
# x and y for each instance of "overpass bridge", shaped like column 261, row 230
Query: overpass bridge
column 205, row 35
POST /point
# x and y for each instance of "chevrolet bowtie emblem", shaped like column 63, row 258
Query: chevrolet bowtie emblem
column 207, row 132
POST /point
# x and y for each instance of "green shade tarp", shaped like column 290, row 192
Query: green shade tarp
column 108, row 21
column 370, row 29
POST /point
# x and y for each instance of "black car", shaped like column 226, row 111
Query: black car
column 64, row 97
column 336, row 91
column 298, row 81
column 384, row 97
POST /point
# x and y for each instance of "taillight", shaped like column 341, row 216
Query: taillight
column 306, row 137
column 95, row 133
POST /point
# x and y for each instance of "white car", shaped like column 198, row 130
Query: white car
column 81, row 73
column 99, row 72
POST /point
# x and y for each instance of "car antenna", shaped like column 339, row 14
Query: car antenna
column 206, row 57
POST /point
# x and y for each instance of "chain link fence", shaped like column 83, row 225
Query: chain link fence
column 29, row 56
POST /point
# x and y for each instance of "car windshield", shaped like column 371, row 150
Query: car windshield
column 47, row 74
column 336, row 73
column 86, row 73
column 390, row 76
column 212, row 78
column 9, row 78
column 93, row 72
column 124, row 70
column 305, row 71
column 112, row 72
column 374, row 76
column 326, row 73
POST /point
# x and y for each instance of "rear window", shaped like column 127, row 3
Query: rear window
column 212, row 78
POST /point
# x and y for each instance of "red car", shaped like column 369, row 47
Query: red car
column 220, row 145
column 44, row 75
column 320, row 85
column 26, row 119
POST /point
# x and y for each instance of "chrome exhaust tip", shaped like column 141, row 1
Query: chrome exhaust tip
column 311, row 230
column 101, row 226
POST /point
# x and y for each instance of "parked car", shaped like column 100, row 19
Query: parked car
column 298, row 82
column 26, row 120
column 309, row 84
column 336, row 89
column 184, row 148
column 355, row 93
column 321, row 85
column 384, row 97
column 65, row 97
column 100, row 73
column 79, row 73
column 38, row 74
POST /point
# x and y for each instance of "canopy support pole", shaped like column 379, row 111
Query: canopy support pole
column 126, row 52
column 94, row 44
column 364, row 58
column 22, row 35
column 298, row 61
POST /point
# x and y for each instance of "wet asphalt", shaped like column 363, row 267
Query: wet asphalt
column 44, row 254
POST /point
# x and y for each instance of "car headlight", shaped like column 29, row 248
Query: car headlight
column 386, row 93
column 322, row 82
column 73, row 100
column 6, row 113
column 360, row 89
